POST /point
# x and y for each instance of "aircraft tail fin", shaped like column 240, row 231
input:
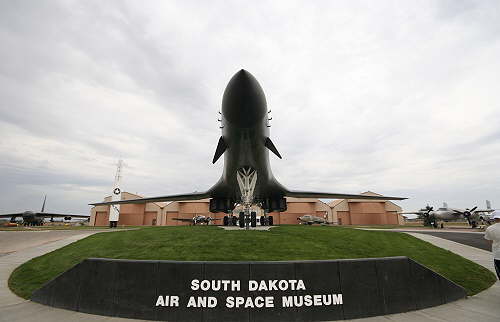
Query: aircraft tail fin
column 445, row 205
column 43, row 206
column 488, row 204
column 221, row 148
column 270, row 145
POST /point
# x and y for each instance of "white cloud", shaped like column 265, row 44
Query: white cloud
column 398, row 98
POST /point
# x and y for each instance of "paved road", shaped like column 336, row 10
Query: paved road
column 467, row 238
column 13, row 241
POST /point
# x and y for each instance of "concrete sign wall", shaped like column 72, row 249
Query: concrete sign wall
column 248, row 291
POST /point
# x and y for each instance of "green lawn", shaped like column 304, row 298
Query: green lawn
column 281, row 243
column 386, row 226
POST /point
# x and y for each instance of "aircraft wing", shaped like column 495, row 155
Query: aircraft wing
column 49, row 214
column 484, row 210
column 327, row 195
column 181, row 197
column 19, row 214
column 411, row 213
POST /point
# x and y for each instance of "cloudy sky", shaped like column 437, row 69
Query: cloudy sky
column 400, row 98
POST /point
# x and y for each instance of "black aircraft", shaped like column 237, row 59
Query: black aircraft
column 245, row 142
column 33, row 218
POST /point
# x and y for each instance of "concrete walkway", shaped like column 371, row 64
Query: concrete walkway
column 483, row 307
column 429, row 230
column 16, row 309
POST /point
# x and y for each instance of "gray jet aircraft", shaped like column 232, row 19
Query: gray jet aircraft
column 245, row 141
column 199, row 219
column 310, row 219
column 33, row 218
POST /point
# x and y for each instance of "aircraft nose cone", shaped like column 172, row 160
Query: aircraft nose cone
column 244, row 102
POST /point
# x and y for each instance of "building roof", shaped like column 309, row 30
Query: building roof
column 159, row 204
column 292, row 199
column 333, row 203
column 366, row 193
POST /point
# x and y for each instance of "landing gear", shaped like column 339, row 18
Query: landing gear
column 242, row 220
column 247, row 180
column 225, row 221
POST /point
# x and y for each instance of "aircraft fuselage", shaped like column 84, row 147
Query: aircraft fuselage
column 245, row 128
column 32, row 218
column 446, row 215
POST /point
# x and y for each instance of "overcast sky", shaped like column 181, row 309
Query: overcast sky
column 396, row 97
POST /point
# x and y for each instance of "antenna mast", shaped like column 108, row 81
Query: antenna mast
column 114, row 210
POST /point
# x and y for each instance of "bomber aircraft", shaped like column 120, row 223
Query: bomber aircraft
column 33, row 218
column 310, row 219
column 245, row 141
column 485, row 214
column 445, row 213
column 199, row 219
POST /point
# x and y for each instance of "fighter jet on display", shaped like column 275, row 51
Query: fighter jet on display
column 247, row 178
column 200, row 219
column 310, row 219
column 431, row 216
column 33, row 218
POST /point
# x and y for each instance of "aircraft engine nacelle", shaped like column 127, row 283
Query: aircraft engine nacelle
column 274, row 204
column 67, row 218
column 221, row 205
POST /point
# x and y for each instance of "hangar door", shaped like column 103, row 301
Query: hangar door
column 131, row 219
column 289, row 218
column 150, row 218
column 101, row 218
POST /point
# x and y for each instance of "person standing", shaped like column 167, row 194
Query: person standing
column 492, row 234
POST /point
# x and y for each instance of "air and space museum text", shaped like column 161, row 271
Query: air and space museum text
column 248, row 302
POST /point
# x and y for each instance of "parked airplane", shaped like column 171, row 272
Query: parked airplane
column 33, row 218
column 431, row 216
column 310, row 219
column 247, row 178
column 484, row 215
column 199, row 219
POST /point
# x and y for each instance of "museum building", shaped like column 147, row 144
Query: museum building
column 340, row 212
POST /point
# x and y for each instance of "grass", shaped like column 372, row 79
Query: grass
column 280, row 243
column 385, row 226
